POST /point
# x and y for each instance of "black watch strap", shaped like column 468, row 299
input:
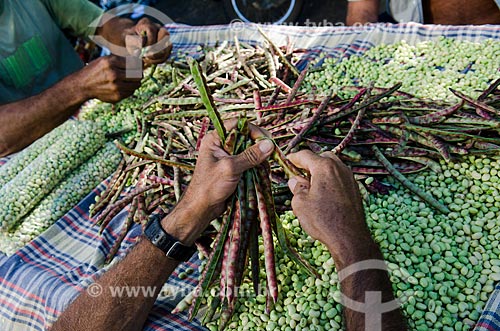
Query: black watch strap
column 172, row 247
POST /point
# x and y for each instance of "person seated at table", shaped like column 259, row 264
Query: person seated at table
column 328, row 207
column 42, row 79
column 449, row 12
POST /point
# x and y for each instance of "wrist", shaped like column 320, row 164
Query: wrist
column 185, row 223
column 353, row 247
column 75, row 86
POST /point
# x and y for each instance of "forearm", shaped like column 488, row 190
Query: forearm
column 357, row 278
column 361, row 12
column 24, row 121
column 146, row 268
column 329, row 208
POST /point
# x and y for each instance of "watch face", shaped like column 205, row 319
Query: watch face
column 168, row 244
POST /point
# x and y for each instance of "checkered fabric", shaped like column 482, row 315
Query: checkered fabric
column 490, row 318
column 39, row 281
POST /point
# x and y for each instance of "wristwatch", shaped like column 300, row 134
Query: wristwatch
column 172, row 247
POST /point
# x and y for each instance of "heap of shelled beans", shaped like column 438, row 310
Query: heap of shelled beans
column 435, row 227
column 444, row 266
column 426, row 69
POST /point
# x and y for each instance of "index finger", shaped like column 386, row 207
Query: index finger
column 255, row 131
column 147, row 29
column 318, row 166
column 121, row 68
column 133, row 44
column 160, row 51
column 307, row 160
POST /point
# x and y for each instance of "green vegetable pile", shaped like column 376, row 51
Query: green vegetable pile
column 427, row 69
column 48, row 178
column 69, row 192
column 443, row 267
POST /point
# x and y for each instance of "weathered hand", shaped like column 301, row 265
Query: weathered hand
column 215, row 178
column 329, row 209
column 106, row 79
column 329, row 205
column 218, row 173
column 151, row 37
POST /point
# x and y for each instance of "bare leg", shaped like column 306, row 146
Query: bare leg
column 460, row 12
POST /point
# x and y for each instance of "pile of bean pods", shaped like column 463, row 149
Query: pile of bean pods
column 378, row 132
column 65, row 195
column 45, row 180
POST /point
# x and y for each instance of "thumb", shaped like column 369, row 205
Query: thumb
column 298, row 185
column 133, row 44
column 253, row 155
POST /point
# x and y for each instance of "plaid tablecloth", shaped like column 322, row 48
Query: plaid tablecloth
column 40, row 280
column 490, row 318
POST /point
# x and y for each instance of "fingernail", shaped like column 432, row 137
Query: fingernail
column 266, row 146
column 292, row 182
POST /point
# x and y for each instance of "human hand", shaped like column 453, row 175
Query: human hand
column 106, row 79
column 152, row 37
column 215, row 178
column 329, row 205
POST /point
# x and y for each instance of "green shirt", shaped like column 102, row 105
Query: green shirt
column 34, row 53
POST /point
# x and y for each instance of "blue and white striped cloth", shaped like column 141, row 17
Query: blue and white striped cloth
column 40, row 280
column 490, row 318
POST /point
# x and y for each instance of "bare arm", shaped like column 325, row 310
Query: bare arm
column 24, row 121
column 362, row 11
column 329, row 209
column 214, row 179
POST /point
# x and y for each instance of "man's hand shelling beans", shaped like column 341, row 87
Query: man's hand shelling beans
column 43, row 81
column 328, row 207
